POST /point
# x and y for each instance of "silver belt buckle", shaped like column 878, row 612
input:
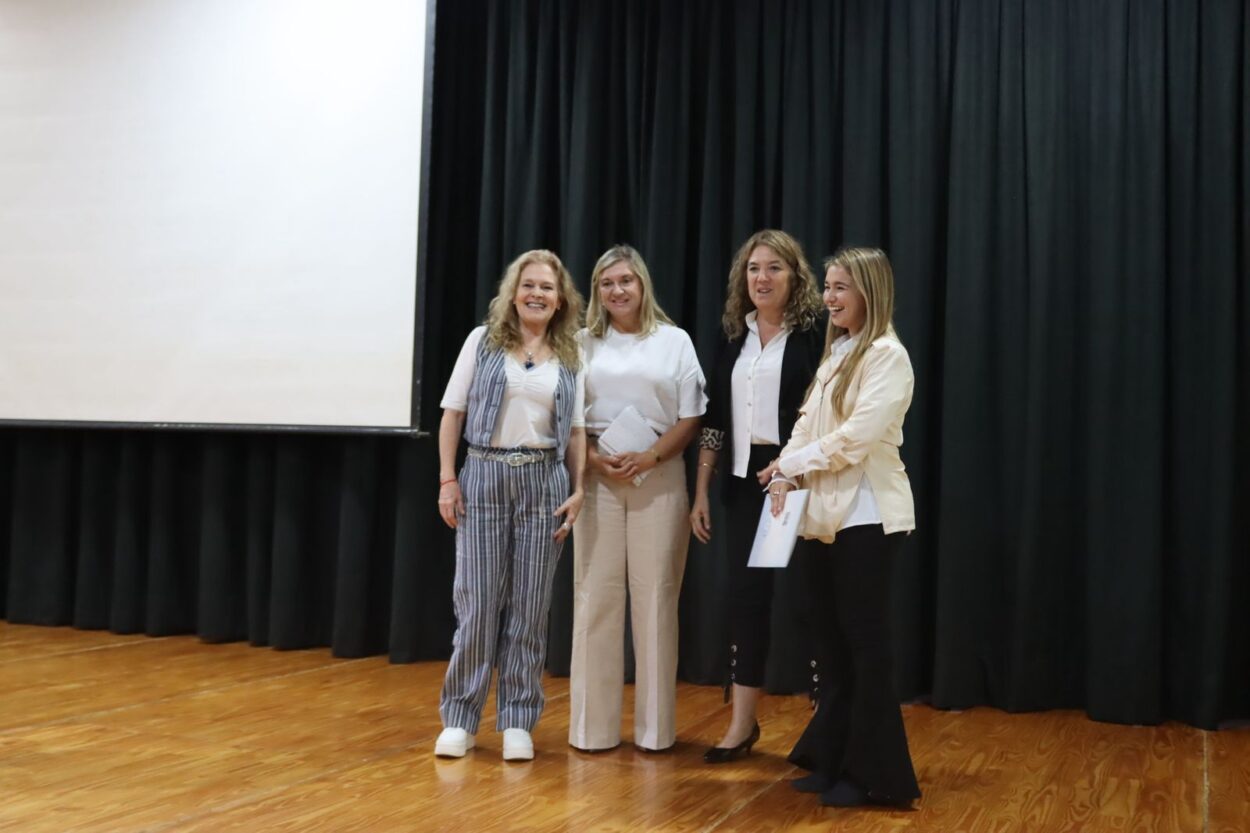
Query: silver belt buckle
column 516, row 458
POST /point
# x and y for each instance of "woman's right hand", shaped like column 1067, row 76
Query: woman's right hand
column 594, row 460
column 450, row 503
column 701, row 518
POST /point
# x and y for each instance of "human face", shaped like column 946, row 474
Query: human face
column 620, row 292
column 846, row 305
column 537, row 295
column 768, row 281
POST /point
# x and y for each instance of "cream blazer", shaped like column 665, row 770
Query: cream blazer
column 839, row 452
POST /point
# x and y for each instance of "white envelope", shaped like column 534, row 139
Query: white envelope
column 775, row 537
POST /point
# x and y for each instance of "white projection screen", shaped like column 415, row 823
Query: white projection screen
column 210, row 211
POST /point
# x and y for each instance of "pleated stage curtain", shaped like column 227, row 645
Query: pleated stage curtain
column 291, row 542
column 1062, row 189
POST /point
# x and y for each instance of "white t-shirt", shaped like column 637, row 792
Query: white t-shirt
column 528, row 404
column 658, row 374
column 754, row 393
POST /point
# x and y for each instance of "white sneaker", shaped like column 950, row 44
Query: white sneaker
column 453, row 743
column 517, row 745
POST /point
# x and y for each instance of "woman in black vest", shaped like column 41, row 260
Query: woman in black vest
column 517, row 393
column 773, row 343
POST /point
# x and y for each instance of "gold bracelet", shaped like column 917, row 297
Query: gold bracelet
column 707, row 466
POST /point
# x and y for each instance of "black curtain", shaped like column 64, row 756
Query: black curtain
column 289, row 541
column 1061, row 187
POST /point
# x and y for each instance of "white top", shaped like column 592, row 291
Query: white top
column 863, row 509
column 754, row 393
column 528, row 405
column 658, row 374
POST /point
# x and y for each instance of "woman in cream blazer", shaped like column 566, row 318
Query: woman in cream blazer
column 844, row 449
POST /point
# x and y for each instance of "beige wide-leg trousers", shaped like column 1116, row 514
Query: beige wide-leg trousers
column 635, row 534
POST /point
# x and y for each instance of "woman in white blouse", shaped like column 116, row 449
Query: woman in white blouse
column 844, row 448
column 517, row 394
column 634, row 530
column 772, row 346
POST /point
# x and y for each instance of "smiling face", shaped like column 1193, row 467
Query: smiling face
column 846, row 305
column 768, row 281
column 620, row 292
column 537, row 295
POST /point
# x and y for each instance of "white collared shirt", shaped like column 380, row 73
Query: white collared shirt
column 755, row 391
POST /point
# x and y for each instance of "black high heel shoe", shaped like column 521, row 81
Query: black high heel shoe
column 725, row 754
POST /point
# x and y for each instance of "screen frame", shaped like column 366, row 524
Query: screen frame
column 413, row 429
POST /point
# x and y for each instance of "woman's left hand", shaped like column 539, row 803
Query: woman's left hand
column 570, row 509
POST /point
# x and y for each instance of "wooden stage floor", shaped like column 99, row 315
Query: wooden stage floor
column 100, row 732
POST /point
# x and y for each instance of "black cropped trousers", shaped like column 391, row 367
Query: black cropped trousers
column 750, row 589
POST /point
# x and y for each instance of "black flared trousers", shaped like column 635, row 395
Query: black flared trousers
column 857, row 730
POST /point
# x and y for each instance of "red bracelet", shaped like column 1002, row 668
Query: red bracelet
column 443, row 483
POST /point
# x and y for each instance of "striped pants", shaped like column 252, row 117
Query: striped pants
column 505, row 563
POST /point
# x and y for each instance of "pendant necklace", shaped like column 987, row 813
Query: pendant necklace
column 529, row 359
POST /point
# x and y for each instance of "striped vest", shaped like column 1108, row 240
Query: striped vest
column 486, row 395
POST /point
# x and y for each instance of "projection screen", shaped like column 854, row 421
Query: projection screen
column 210, row 211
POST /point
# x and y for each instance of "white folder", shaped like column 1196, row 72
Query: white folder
column 628, row 432
column 775, row 537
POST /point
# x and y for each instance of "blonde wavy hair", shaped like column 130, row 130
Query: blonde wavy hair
column 873, row 277
column 803, row 307
column 503, row 327
column 650, row 315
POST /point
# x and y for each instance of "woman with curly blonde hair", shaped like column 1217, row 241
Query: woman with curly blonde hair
column 773, row 341
column 517, row 394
